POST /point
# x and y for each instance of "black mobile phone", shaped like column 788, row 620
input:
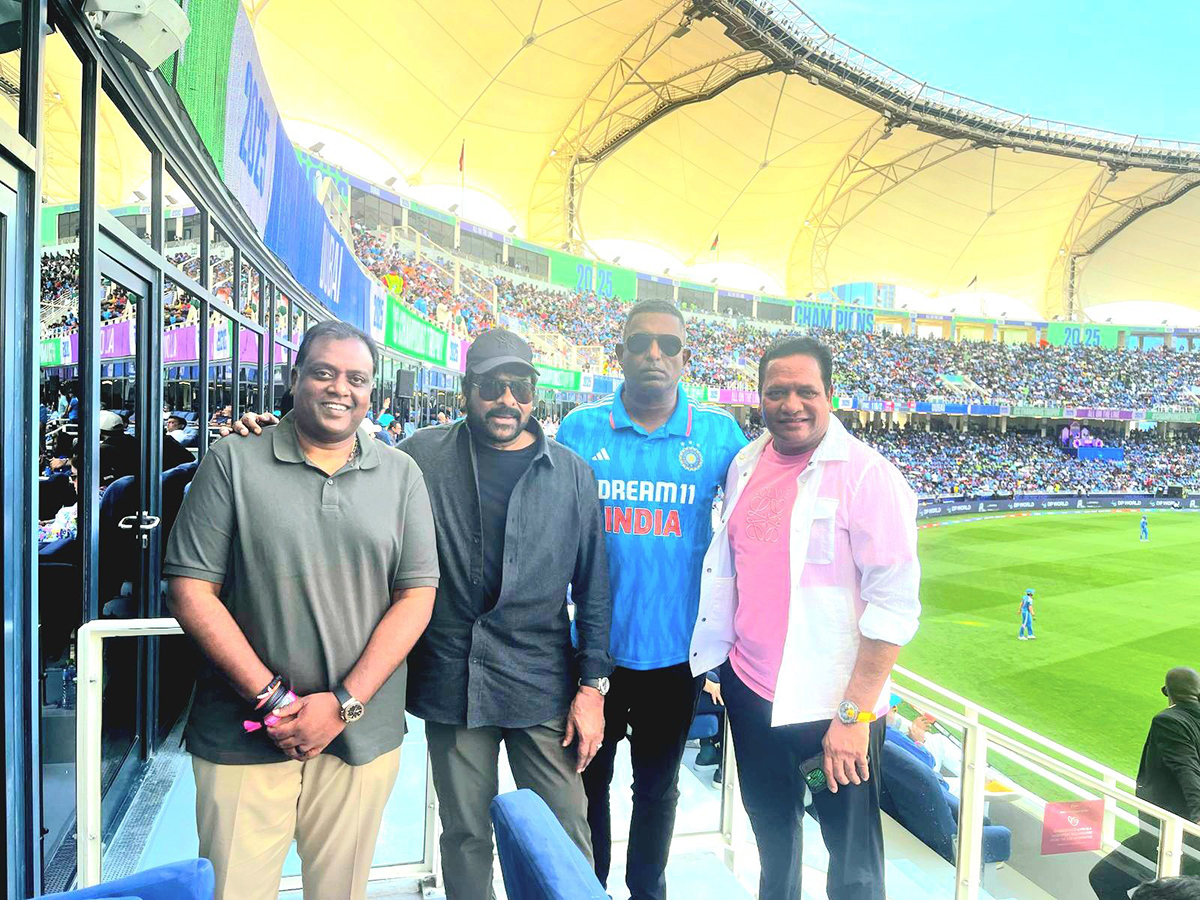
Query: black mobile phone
column 813, row 772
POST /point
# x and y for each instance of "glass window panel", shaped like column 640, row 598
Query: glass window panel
column 249, row 292
column 652, row 290
column 221, row 260
column 178, row 661
column 774, row 312
column 181, row 227
column 220, row 379
column 60, row 586
column 11, row 37
column 733, row 306
column 120, row 549
column 248, row 362
column 282, row 313
column 124, row 185
column 281, row 381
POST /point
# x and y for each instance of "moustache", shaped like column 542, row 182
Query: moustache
column 504, row 411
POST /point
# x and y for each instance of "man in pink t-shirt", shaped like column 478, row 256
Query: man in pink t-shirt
column 809, row 591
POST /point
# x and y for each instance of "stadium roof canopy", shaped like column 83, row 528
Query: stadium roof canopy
column 669, row 122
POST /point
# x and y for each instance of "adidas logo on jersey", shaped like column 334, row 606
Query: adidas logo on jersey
column 601, row 455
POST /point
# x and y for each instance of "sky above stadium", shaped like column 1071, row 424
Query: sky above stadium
column 1105, row 63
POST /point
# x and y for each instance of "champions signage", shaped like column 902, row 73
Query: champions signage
column 840, row 318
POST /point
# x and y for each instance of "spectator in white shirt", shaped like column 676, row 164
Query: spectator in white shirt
column 809, row 590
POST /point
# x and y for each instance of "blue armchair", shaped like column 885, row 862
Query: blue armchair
column 537, row 859
column 188, row 880
column 914, row 797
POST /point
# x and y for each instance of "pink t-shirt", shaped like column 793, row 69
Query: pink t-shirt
column 758, row 535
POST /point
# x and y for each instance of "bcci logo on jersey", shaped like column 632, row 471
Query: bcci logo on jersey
column 690, row 457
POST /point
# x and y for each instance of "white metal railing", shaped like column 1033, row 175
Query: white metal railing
column 981, row 729
column 89, row 724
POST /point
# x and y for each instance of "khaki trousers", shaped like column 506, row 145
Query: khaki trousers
column 466, row 777
column 247, row 817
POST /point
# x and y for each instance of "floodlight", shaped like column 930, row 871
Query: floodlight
column 390, row 181
column 317, row 147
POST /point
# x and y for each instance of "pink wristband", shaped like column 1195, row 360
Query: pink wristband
column 271, row 719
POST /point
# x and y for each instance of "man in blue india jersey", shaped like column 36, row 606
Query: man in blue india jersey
column 659, row 459
column 1026, row 632
column 1145, row 529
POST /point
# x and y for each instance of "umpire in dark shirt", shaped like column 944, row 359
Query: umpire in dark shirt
column 1168, row 777
column 518, row 522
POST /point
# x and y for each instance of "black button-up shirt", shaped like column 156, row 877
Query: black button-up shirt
column 512, row 665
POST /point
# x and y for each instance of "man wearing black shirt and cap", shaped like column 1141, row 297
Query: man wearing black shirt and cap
column 518, row 523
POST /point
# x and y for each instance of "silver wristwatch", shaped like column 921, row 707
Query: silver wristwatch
column 352, row 709
column 601, row 684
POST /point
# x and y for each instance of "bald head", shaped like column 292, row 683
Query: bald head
column 1183, row 685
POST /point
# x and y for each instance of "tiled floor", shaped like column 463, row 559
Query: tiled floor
column 913, row 871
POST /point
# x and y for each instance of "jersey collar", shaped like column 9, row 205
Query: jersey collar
column 679, row 424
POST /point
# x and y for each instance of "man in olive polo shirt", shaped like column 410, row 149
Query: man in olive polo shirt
column 288, row 570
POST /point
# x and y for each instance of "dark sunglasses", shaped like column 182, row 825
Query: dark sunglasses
column 493, row 389
column 639, row 342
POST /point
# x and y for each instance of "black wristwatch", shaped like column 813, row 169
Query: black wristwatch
column 601, row 684
column 352, row 709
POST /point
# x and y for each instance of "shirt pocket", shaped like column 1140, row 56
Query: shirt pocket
column 718, row 596
column 823, row 533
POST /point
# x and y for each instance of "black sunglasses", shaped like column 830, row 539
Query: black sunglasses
column 493, row 389
column 639, row 342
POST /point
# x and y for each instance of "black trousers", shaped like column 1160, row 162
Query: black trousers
column 658, row 705
column 768, row 766
column 1134, row 863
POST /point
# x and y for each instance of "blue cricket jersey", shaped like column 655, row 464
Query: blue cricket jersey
column 657, row 491
column 1026, row 604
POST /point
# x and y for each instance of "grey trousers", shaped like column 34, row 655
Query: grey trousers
column 465, row 776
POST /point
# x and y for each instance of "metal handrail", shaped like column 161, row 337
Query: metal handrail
column 1031, row 735
column 978, row 737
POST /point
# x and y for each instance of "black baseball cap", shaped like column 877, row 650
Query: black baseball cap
column 499, row 347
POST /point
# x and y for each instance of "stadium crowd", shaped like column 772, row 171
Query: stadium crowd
column 948, row 462
column 877, row 365
column 428, row 286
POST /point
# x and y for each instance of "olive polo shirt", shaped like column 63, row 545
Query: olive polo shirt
column 307, row 565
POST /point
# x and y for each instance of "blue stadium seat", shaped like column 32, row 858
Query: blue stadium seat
column 174, row 485
column 908, row 745
column 704, row 725
column 188, row 880
column 913, row 796
column 537, row 859
column 119, row 551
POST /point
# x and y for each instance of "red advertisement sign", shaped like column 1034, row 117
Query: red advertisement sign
column 1072, row 827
